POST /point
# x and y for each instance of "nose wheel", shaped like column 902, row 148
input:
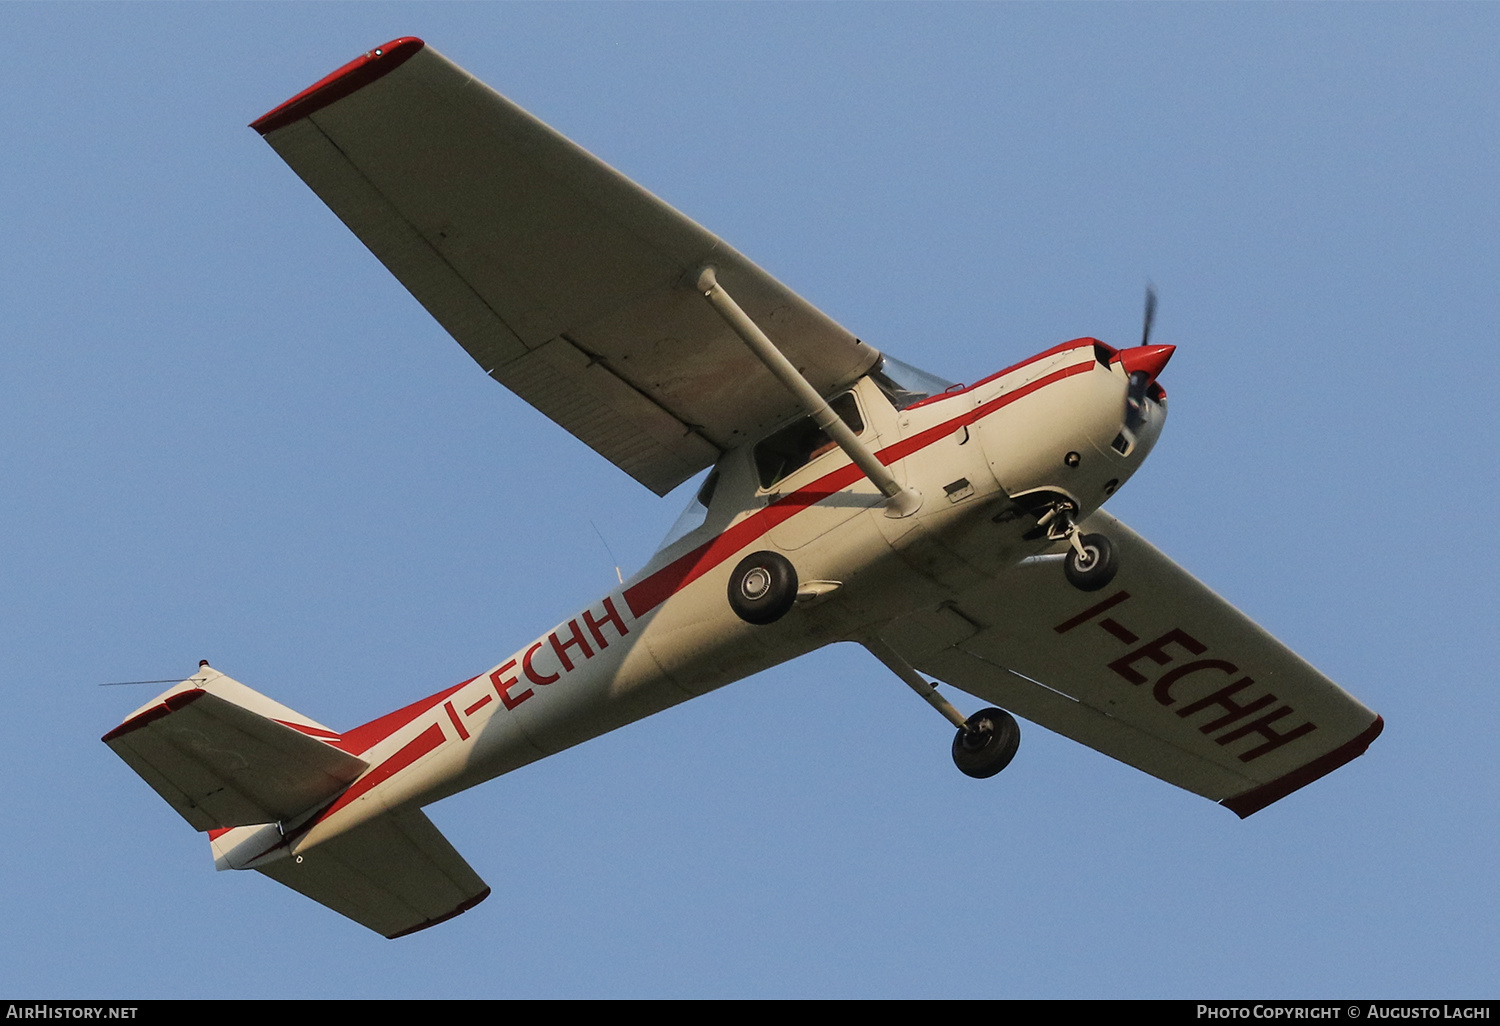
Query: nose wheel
column 986, row 743
column 1091, row 562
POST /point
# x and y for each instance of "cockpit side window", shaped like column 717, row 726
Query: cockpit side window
column 798, row 444
column 706, row 493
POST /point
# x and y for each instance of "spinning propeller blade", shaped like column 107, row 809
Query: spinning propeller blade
column 1143, row 364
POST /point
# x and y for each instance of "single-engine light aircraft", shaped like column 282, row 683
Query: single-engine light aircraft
column 954, row 531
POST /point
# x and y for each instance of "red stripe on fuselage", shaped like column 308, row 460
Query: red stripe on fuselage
column 362, row 738
column 678, row 574
column 413, row 750
column 1061, row 347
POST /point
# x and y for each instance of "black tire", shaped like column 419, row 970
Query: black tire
column 1097, row 569
column 987, row 743
column 762, row 587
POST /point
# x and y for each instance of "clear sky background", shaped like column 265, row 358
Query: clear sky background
column 227, row 433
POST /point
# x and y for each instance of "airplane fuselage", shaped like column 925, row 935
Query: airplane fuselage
column 984, row 459
column 954, row 532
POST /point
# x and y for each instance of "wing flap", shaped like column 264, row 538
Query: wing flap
column 1155, row 670
column 395, row 874
column 222, row 765
column 592, row 402
column 516, row 239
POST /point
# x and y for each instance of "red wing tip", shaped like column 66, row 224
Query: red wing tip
column 352, row 77
column 1252, row 801
column 156, row 712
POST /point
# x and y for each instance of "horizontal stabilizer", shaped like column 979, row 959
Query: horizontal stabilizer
column 222, row 755
column 395, row 874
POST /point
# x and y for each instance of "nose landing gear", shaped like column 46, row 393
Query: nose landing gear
column 1091, row 562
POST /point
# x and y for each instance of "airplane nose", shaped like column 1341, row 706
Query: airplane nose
column 1147, row 359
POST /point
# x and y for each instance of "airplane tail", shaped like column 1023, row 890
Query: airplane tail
column 249, row 771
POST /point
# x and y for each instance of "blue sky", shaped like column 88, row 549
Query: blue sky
column 227, row 433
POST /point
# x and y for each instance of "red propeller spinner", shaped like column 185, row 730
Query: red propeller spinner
column 1147, row 359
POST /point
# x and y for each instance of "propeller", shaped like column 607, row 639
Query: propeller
column 1143, row 364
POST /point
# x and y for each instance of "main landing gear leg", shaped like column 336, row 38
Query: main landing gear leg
column 986, row 742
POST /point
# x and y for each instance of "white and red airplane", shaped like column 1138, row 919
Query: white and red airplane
column 954, row 531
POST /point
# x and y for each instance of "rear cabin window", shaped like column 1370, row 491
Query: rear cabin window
column 797, row 445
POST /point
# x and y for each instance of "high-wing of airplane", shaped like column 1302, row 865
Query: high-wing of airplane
column 955, row 531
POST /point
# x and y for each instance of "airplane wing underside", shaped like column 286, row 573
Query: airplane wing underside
column 563, row 279
column 1154, row 670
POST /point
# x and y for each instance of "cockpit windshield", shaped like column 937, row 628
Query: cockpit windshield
column 905, row 385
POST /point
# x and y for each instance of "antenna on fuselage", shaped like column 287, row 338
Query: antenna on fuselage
column 612, row 559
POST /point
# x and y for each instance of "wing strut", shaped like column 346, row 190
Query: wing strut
column 901, row 501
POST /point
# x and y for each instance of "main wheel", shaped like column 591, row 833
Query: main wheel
column 1097, row 567
column 762, row 587
column 986, row 743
